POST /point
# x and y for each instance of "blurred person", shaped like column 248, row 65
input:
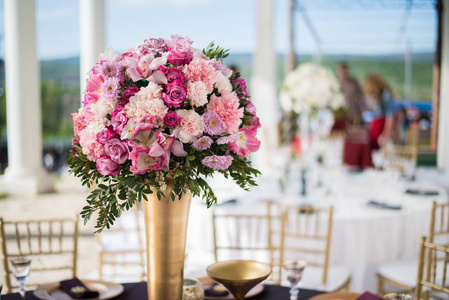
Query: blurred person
column 401, row 125
column 353, row 94
column 381, row 101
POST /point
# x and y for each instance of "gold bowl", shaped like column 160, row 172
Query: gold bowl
column 239, row 276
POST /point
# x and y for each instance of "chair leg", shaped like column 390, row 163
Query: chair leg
column 380, row 285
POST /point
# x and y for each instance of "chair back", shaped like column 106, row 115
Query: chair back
column 122, row 247
column 307, row 234
column 439, row 221
column 401, row 157
column 432, row 272
column 51, row 244
column 249, row 237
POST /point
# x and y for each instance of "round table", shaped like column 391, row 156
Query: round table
column 363, row 236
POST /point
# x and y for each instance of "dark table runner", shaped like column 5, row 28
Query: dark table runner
column 138, row 291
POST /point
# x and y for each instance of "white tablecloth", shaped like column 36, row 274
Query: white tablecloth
column 363, row 236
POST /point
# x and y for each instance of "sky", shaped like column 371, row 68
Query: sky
column 340, row 26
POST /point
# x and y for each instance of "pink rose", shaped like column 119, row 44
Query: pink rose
column 119, row 119
column 239, row 83
column 117, row 150
column 179, row 55
column 104, row 135
column 129, row 92
column 171, row 119
column 172, row 74
column 107, row 166
column 175, row 95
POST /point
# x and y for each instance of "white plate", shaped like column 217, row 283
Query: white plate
column 253, row 292
column 53, row 291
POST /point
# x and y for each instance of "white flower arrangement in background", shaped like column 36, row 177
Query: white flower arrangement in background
column 309, row 89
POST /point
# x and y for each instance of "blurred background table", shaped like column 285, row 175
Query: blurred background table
column 363, row 236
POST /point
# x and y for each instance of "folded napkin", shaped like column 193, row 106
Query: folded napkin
column 422, row 192
column 383, row 205
column 76, row 289
column 215, row 290
column 368, row 296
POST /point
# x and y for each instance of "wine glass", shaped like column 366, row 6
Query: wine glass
column 294, row 269
column 21, row 267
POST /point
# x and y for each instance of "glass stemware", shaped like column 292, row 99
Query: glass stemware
column 21, row 267
column 294, row 270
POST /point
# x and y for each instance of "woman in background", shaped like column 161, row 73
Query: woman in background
column 380, row 98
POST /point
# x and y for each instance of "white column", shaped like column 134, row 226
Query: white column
column 443, row 124
column 92, row 36
column 25, row 173
column 263, row 84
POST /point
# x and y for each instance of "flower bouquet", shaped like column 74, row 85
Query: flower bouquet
column 309, row 89
column 165, row 111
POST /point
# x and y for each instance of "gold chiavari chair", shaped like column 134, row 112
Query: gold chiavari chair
column 400, row 157
column 307, row 236
column 401, row 274
column 432, row 271
column 249, row 237
column 121, row 249
column 51, row 244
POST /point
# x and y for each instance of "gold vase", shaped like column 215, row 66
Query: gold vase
column 166, row 230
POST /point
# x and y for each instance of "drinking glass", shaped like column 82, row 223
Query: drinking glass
column 397, row 296
column 21, row 267
column 294, row 270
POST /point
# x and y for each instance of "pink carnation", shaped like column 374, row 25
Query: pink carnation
column 227, row 109
column 197, row 93
column 222, row 84
column 201, row 70
column 146, row 102
column 91, row 147
column 190, row 126
column 79, row 121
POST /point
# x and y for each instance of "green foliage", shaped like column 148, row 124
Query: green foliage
column 51, row 104
column 216, row 52
column 111, row 195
